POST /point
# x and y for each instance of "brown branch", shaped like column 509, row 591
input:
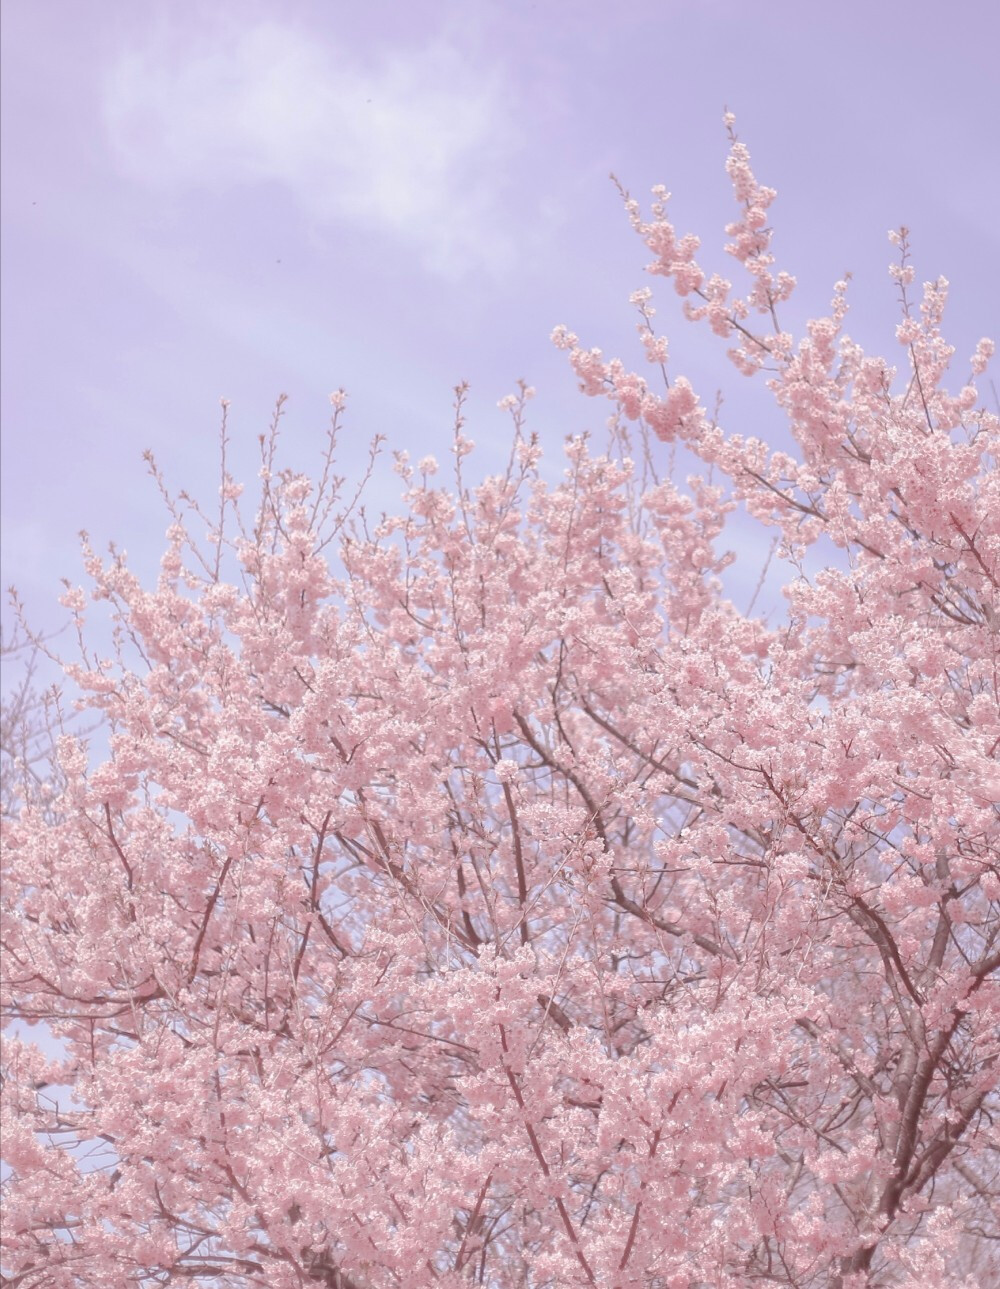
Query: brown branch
column 522, row 883
column 196, row 951
column 540, row 1156
column 114, row 841
column 634, row 1227
column 313, row 891
column 472, row 1223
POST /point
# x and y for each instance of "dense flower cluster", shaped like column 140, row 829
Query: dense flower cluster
column 485, row 899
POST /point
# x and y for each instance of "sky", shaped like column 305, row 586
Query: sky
column 242, row 199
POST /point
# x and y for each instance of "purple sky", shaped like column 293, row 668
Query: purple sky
column 242, row 199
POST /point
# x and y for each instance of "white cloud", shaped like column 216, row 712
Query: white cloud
column 415, row 146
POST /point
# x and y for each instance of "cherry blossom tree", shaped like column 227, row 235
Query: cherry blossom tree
column 479, row 897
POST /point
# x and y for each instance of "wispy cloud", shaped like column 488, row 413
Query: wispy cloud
column 414, row 145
